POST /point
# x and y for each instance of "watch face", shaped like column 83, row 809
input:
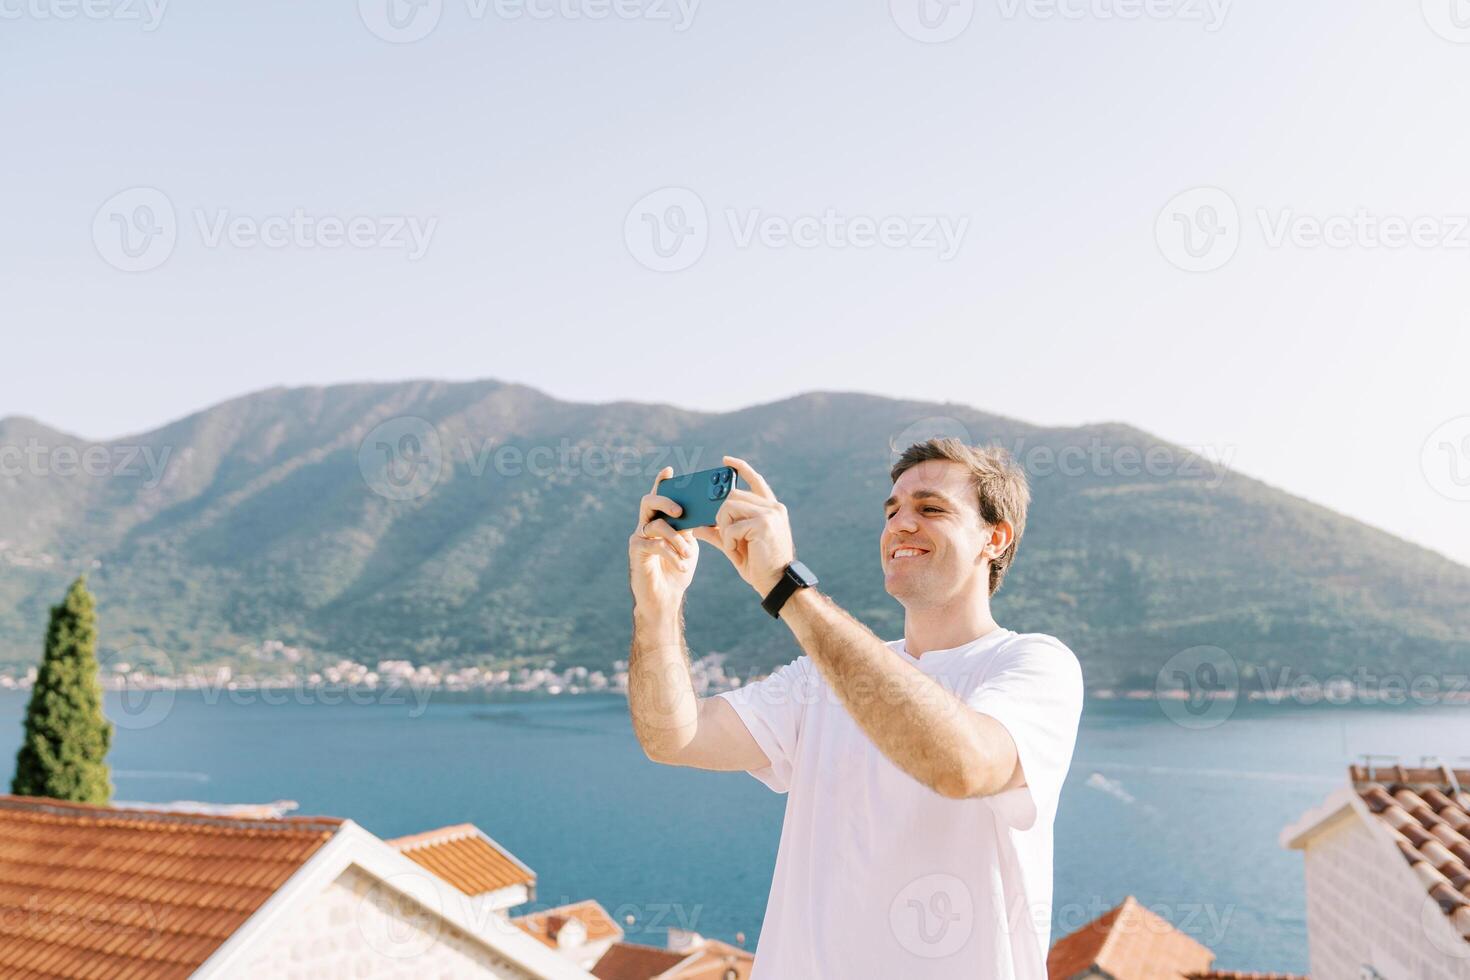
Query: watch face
column 802, row 574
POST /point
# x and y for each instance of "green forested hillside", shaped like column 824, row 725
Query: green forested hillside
column 264, row 526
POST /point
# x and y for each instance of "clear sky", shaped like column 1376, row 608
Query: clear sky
column 604, row 199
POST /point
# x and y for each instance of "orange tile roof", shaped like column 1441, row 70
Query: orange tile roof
column 545, row 925
column 93, row 891
column 634, row 961
column 1129, row 942
column 466, row 858
column 1428, row 812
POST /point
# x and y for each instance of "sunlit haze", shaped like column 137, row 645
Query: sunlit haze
column 719, row 204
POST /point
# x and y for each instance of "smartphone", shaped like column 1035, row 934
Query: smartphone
column 699, row 494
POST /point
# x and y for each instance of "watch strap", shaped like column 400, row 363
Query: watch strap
column 793, row 577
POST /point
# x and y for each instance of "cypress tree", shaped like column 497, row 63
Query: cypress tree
column 64, row 753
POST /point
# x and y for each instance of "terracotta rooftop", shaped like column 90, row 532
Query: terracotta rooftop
column 545, row 925
column 1428, row 812
column 634, row 961
column 466, row 858
column 1129, row 942
column 90, row 891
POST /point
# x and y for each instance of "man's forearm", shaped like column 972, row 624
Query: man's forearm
column 661, row 695
column 923, row 729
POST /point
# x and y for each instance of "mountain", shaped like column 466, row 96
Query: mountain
column 271, row 517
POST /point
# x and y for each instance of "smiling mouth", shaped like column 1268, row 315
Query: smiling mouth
column 906, row 552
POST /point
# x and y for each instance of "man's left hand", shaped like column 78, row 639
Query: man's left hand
column 753, row 531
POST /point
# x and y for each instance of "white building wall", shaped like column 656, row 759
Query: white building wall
column 1366, row 908
column 586, row 955
column 358, row 930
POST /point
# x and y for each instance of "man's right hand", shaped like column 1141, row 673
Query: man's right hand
column 661, row 560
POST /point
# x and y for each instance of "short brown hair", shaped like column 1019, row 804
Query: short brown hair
column 1000, row 488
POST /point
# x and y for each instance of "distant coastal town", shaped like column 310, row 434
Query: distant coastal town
column 275, row 666
column 282, row 667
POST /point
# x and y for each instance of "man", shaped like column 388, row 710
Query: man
column 923, row 773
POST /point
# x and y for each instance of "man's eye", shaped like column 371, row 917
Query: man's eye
column 935, row 510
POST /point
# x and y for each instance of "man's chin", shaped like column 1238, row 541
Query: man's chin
column 901, row 587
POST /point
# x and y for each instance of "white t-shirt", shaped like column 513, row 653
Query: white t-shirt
column 880, row 878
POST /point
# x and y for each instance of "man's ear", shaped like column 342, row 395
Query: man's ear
column 1001, row 536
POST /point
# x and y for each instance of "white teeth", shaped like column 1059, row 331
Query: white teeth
column 907, row 552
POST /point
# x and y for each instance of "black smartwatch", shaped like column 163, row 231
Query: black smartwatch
column 796, row 576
